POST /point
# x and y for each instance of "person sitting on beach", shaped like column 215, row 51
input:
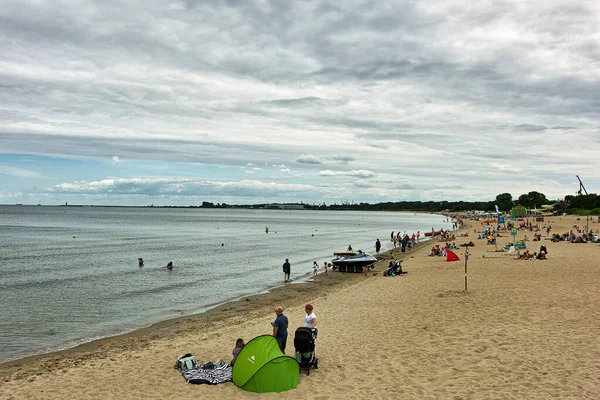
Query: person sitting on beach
column 170, row 265
column 394, row 268
column 541, row 256
column 140, row 261
column 523, row 256
column 239, row 345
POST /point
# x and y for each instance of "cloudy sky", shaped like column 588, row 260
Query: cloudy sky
column 179, row 102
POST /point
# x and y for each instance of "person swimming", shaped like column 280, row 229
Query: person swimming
column 170, row 265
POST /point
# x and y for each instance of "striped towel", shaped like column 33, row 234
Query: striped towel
column 210, row 373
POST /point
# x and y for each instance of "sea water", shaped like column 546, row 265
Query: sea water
column 69, row 275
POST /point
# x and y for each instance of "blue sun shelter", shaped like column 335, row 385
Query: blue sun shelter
column 262, row 367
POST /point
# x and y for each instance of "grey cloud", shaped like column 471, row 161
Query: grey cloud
column 405, row 186
column 530, row 128
column 300, row 102
column 565, row 128
column 230, row 82
column 308, row 159
column 343, row 159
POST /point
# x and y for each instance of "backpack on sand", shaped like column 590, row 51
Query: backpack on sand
column 185, row 362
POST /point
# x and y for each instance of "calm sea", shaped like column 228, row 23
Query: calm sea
column 69, row 275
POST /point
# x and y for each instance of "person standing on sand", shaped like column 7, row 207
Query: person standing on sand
column 310, row 321
column 286, row 270
column 325, row 266
column 377, row 246
column 280, row 328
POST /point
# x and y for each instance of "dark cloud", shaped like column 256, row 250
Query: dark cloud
column 344, row 159
column 530, row 128
column 565, row 128
column 308, row 159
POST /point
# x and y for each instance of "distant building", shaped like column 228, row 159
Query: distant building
column 284, row 207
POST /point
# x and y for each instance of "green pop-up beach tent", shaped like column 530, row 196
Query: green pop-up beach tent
column 262, row 367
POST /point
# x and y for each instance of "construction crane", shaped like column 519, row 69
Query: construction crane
column 581, row 187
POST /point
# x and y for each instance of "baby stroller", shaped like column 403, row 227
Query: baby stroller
column 304, row 343
column 395, row 268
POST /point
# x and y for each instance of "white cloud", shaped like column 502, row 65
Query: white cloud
column 18, row 172
column 354, row 173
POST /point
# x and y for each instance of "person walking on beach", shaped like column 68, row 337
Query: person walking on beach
column 325, row 266
column 280, row 328
column 377, row 246
column 315, row 268
column 286, row 270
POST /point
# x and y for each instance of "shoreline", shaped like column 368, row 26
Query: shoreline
column 293, row 294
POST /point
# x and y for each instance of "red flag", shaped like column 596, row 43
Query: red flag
column 451, row 256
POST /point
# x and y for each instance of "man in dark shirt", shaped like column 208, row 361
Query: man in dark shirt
column 286, row 270
column 280, row 328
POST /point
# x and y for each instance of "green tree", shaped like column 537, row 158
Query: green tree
column 533, row 199
column 504, row 202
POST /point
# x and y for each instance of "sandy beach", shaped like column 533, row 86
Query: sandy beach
column 523, row 330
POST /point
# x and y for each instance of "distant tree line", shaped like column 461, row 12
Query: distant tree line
column 582, row 204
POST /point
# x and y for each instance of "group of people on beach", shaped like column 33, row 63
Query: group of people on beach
column 403, row 241
column 326, row 266
column 280, row 330
column 287, row 269
column 442, row 251
column 526, row 255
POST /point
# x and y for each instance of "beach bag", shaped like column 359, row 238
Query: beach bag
column 185, row 362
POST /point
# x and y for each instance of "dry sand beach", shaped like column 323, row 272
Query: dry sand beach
column 523, row 330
